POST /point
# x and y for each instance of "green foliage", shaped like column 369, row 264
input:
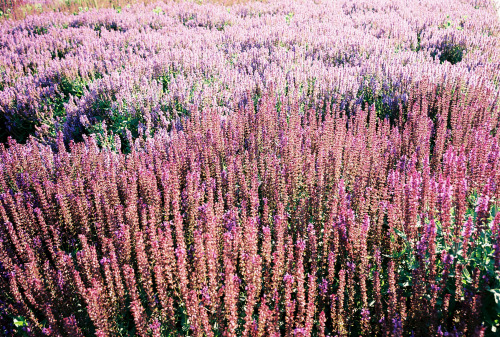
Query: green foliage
column 478, row 257
column 82, row 10
column 67, row 88
column 5, row 14
column 418, row 47
column 158, row 11
column 50, row 114
column 450, row 24
column 40, row 30
column 450, row 52
column 20, row 326
column 384, row 99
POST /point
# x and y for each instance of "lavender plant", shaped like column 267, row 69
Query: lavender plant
column 281, row 222
column 288, row 169
column 139, row 68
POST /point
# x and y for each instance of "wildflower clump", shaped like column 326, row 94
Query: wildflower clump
column 187, row 169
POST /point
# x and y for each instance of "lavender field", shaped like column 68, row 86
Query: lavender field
column 290, row 168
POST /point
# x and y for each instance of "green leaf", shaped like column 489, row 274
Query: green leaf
column 400, row 233
column 20, row 321
column 467, row 277
column 496, row 294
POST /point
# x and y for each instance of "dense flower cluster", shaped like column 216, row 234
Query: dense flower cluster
column 282, row 169
column 138, row 68
column 268, row 222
